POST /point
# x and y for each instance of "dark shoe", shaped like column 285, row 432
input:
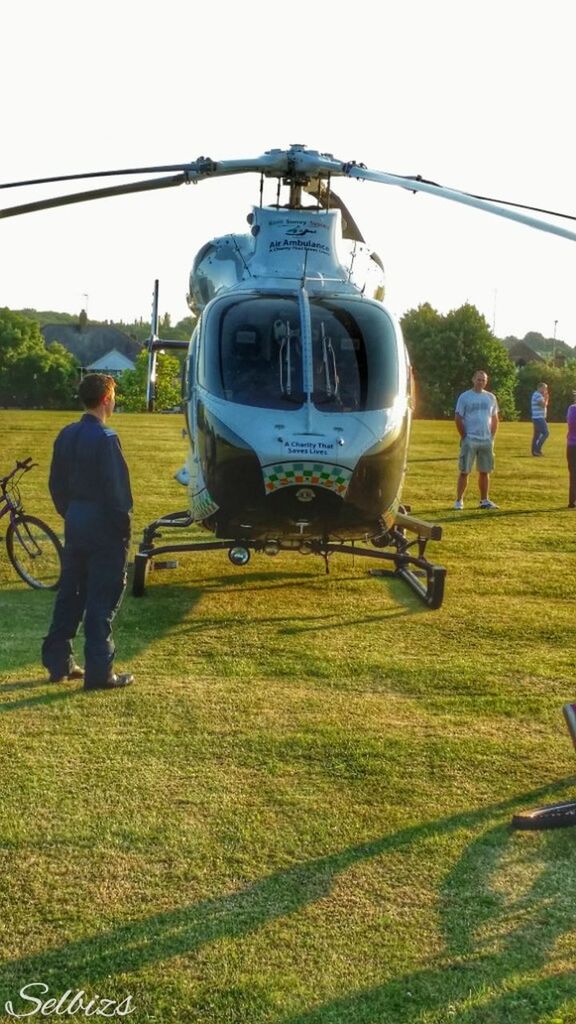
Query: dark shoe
column 114, row 683
column 74, row 673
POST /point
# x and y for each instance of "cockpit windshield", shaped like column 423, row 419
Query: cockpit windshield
column 253, row 354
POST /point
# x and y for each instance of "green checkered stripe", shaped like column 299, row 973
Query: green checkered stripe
column 202, row 505
column 306, row 474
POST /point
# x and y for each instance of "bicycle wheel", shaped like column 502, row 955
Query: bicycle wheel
column 550, row 816
column 35, row 552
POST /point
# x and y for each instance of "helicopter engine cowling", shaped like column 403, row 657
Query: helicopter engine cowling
column 283, row 244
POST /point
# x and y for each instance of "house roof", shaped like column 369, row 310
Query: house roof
column 112, row 360
column 520, row 352
column 92, row 343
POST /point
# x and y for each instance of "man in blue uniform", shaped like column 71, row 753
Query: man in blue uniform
column 90, row 488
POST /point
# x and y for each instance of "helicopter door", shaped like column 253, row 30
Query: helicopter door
column 189, row 388
column 189, row 473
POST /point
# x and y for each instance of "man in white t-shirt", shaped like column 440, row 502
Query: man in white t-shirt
column 477, row 422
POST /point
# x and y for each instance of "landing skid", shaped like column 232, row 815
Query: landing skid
column 424, row 578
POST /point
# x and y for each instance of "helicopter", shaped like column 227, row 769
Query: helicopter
column 297, row 387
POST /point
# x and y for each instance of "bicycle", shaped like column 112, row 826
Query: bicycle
column 33, row 548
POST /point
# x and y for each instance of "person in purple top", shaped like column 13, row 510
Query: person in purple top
column 571, row 452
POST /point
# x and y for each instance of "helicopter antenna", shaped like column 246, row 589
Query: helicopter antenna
column 261, row 189
column 352, row 260
column 278, row 195
column 241, row 255
column 304, row 268
column 152, row 352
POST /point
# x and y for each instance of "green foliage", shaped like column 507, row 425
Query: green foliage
column 48, row 316
column 138, row 329
column 561, row 381
column 131, row 389
column 445, row 352
column 32, row 375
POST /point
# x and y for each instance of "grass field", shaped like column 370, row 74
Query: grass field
column 299, row 814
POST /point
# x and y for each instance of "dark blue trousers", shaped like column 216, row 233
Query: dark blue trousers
column 539, row 434
column 92, row 586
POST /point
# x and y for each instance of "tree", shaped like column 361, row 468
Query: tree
column 445, row 352
column 30, row 373
column 18, row 334
column 131, row 390
column 560, row 380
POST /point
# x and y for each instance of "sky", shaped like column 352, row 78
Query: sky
column 477, row 96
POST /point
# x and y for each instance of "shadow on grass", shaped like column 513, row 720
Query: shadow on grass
column 46, row 699
column 435, row 458
column 141, row 621
column 476, row 514
column 493, row 949
column 467, row 902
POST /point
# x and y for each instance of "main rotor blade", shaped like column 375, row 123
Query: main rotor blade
column 296, row 164
column 415, row 185
column 274, row 163
column 100, row 193
column 195, row 169
column 95, row 174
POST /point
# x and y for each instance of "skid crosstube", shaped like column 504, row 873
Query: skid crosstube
column 424, row 578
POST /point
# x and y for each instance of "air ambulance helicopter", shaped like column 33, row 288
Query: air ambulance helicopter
column 297, row 387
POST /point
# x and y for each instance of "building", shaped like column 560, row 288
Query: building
column 112, row 362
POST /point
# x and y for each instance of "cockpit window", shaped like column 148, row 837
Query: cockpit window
column 252, row 354
column 355, row 355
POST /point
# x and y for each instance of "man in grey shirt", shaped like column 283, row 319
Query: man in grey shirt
column 477, row 422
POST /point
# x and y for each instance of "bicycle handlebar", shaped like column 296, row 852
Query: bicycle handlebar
column 23, row 467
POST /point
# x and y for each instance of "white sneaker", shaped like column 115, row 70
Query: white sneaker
column 459, row 504
column 486, row 503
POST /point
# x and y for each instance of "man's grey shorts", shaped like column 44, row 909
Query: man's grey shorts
column 481, row 451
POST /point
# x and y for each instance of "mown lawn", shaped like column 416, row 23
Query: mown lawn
column 299, row 814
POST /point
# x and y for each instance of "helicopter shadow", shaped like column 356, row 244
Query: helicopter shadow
column 157, row 938
column 142, row 621
column 271, row 580
column 292, row 625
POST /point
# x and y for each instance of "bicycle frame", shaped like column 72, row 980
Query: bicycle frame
column 9, row 506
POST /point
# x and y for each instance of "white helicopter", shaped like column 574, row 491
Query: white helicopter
column 297, row 388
